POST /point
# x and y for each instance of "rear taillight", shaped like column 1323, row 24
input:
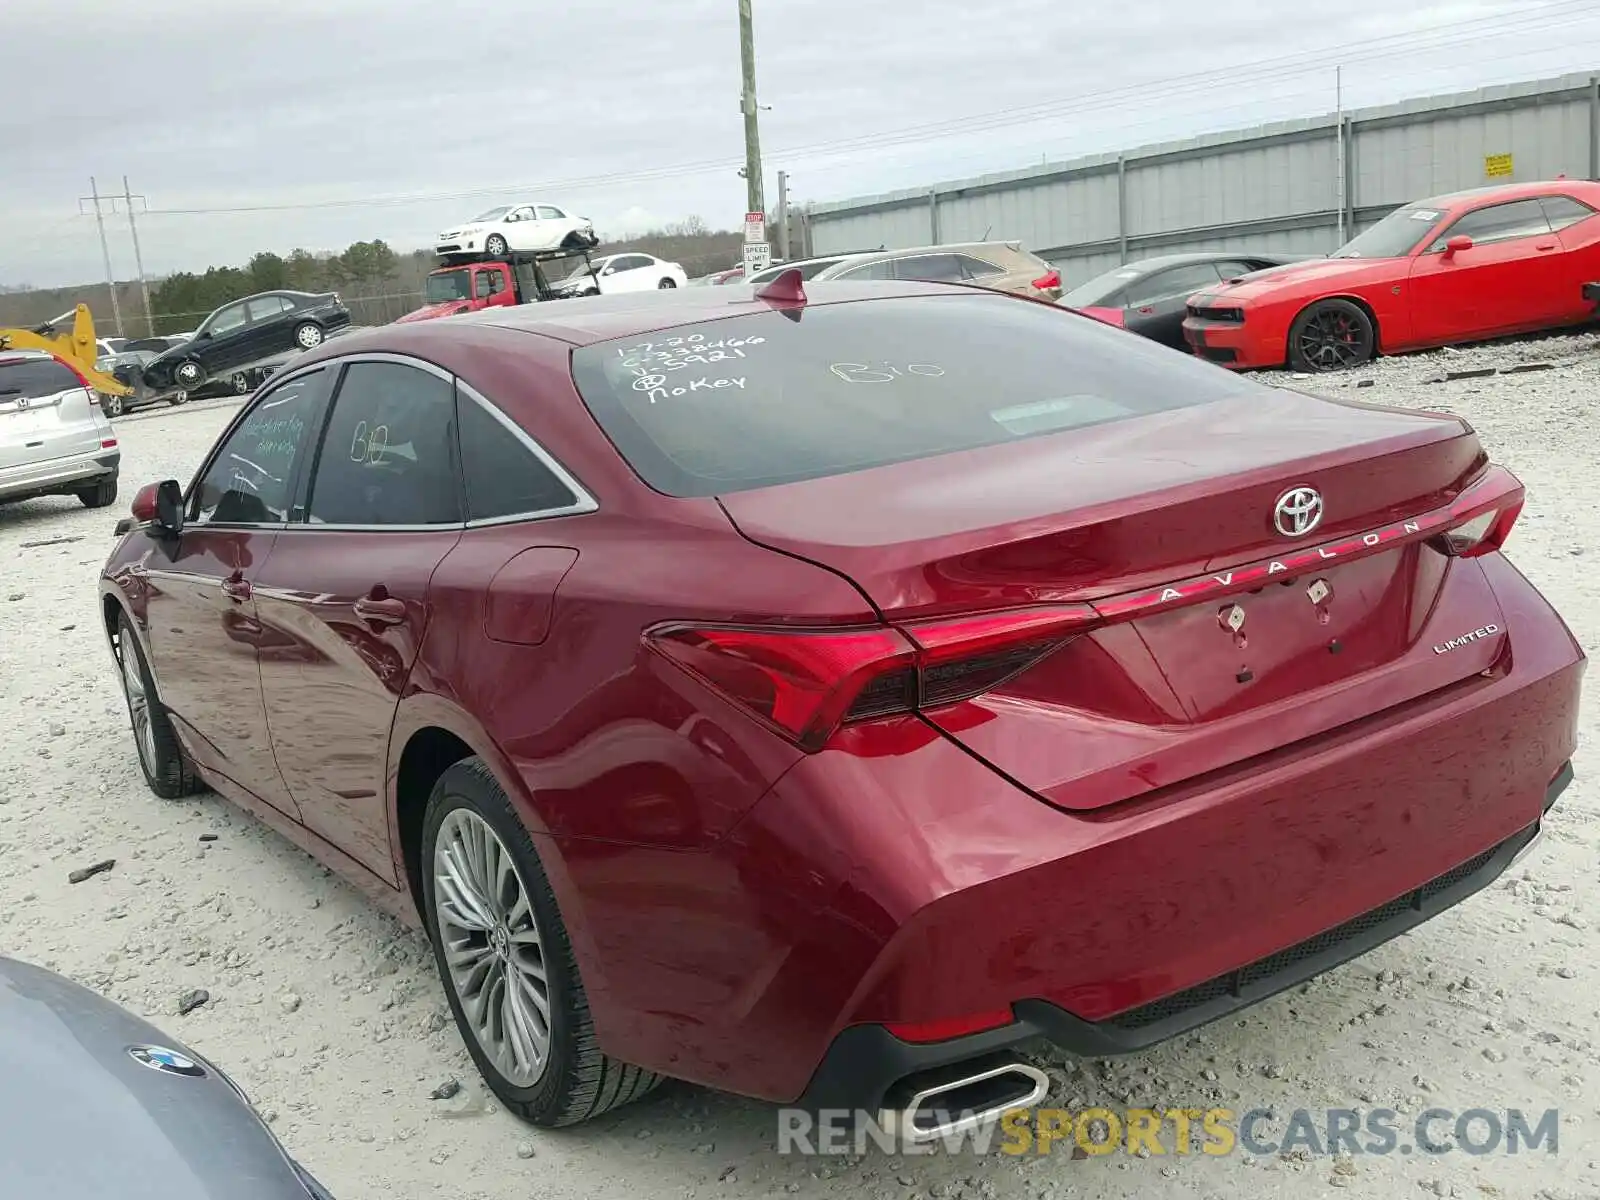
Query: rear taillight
column 1051, row 279
column 806, row 683
column 1482, row 516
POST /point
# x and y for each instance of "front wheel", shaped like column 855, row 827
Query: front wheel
column 1331, row 335
column 190, row 374
column 308, row 336
column 665, row 284
column 507, row 966
column 495, row 245
column 166, row 768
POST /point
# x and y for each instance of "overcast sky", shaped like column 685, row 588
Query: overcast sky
column 629, row 113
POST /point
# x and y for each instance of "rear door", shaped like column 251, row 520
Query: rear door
column 1509, row 279
column 45, row 413
column 202, row 622
column 271, row 329
column 1156, row 305
column 344, row 598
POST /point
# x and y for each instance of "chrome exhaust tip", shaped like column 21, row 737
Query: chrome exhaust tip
column 932, row 1105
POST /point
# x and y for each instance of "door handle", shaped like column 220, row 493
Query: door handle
column 381, row 610
column 236, row 588
column 1545, row 246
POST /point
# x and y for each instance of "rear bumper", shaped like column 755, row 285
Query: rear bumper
column 894, row 879
column 59, row 474
column 1232, row 344
column 864, row 1061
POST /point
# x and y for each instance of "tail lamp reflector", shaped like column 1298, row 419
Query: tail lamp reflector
column 805, row 683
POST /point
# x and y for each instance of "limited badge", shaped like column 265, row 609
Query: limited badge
column 169, row 1062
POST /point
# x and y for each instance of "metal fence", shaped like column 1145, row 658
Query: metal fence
column 1273, row 187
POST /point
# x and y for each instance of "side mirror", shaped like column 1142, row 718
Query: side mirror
column 1457, row 244
column 160, row 505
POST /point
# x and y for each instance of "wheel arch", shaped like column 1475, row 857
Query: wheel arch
column 1359, row 301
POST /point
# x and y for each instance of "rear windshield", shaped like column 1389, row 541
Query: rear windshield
column 1101, row 288
column 774, row 397
column 33, row 378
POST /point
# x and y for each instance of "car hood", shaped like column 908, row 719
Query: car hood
column 80, row 1116
column 445, row 308
column 1317, row 274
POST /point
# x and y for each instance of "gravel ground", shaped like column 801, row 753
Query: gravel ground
column 330, row 1015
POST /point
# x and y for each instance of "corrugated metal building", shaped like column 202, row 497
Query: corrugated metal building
column 1274, row 187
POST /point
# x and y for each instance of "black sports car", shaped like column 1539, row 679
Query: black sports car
column 1148, row 297
column 244, row 333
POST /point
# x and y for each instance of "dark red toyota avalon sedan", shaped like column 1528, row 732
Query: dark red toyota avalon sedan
column 818, row 696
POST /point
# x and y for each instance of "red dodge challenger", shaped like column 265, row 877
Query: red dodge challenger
column 820, row 696
column 1458, row 268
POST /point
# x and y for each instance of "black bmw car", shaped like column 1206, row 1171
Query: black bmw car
column 1149, row 297
column 244, row 333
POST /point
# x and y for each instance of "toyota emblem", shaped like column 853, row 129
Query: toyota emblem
column 1297, row 512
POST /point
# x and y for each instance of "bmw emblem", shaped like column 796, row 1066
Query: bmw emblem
column 169, row 1062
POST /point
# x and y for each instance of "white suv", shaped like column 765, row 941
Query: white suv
column 54, row 440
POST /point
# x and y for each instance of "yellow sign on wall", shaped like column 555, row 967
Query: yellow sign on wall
column 1497, row 166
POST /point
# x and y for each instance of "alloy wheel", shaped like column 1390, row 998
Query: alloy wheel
column 1333, row 339
column 492, row 947
column 309, row 337
column 144, row 732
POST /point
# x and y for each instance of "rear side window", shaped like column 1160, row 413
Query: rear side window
column 504, row 477
column 1562, row 211
column 773, row 397
column 35, row 378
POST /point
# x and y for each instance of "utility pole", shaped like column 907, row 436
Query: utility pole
column 105, row 251
column 1338, row 100
column 783, row 215
column 138, row 259
column 755, row 199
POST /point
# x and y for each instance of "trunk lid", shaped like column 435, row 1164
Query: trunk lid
column 1163, row 526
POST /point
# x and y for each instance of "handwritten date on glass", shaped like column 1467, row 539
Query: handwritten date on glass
column 882, row 372
column 679, row 353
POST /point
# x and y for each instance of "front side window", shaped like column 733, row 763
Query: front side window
column 1497, row 223
column 494, row 214
column 763, row 399
column 387, row 457
column 251, row 479
column 446, row 286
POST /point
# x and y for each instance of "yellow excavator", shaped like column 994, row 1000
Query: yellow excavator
column 78, row 347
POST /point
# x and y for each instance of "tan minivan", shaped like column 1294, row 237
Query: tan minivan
column 1002, row 266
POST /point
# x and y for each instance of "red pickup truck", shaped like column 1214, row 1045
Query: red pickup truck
column 471, row 286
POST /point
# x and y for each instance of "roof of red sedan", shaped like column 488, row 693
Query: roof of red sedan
column 600, row 318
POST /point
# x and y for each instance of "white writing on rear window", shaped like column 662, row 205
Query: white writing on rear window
column 882, row 372
column 657, row 389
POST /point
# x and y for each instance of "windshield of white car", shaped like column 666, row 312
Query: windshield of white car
column 1394, row 236
column 450, row 285
column 494, row 214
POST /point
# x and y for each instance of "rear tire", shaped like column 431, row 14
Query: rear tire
column 1331, row 335
column 101, row 495
column 178, row 398
column 308, row 335
column 111, row 405
column 166, row 768
column 517, row 967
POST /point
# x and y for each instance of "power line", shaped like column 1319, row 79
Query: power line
column 1281, row 67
